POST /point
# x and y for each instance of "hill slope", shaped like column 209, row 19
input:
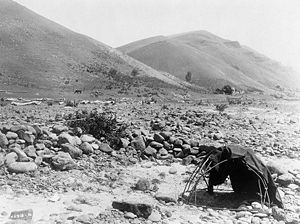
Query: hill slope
column 213, row 61
column 38, row 53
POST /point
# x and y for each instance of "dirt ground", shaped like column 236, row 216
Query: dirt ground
column 85, row 195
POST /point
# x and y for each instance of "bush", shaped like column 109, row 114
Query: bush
column 134, row 72
column 188, row 76
column 71, row 103
column 221, row 107
column 98, row 124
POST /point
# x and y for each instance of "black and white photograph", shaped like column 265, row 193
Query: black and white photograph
column 149, row 111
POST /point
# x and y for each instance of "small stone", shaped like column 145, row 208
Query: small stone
column 72, row 150
column 278, row 214
column 40, row 146
column 150, row 151
column 87, row 138
column 63, row 161
column 22, row 157
column 147, row 165
column 166, row 196
column 86, row 148
column 243, row 214
column 2, row 159
column 95, row 146
column 163, row 152
column 30, row 151
column 21, row 167
column 27, row 136
column 57, row 129
column 3, row 140
column 104, row 147
column 10, row 158
column 178, row 143
column 158, row 138
column 65, row 137
column 172, row 170
column 256, row 206
column 124, row 142
column 138, row 143
column 156, row 145
column 143, row 184
column 255, row 220
column 155, row 216
column 293, row 186
column 75, row 208
column 10, row 135
column 285, row 179
column 166, row 135
column 129, row 215
column 276, row 167
column 177, row 149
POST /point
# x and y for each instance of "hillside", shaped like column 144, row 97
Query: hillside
column 38, row 53
column 213, row 61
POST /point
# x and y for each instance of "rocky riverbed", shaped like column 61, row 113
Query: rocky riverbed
column 67, row 176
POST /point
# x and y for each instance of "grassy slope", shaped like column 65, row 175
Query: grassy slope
column 38, row 53
column 212, row 60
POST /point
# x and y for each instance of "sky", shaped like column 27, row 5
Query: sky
column 271, row 27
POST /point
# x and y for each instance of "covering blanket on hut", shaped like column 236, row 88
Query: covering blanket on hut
column 248, row 175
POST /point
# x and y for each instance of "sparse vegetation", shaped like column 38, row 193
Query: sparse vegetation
column 98, row 124
column 221, row 107
column 134, row 72
column 188, row 76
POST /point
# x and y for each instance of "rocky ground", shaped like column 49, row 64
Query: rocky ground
column 65, row 176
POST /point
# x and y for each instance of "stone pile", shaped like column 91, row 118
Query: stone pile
column 25, row 147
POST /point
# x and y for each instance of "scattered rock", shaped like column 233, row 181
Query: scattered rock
column 150, row 151
column 21, row 167
column 277, row 167
column 172, row 170
column 142, row 184
column 138, row 144
column 86, row 148
column 87, row 138
column 3, row 140
column 104, row 147
column 138, row 208
column 285, row 179
column 63, row 161
column 278, row 214
column 72, row 150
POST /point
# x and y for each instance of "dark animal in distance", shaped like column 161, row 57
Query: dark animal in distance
column 78, row 91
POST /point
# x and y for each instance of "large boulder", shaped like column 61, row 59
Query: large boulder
column 72, row 150
column 63, row 161
column 21, row 167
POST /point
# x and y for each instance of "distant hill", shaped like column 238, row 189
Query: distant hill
column 213, row 61
column 38, row 53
